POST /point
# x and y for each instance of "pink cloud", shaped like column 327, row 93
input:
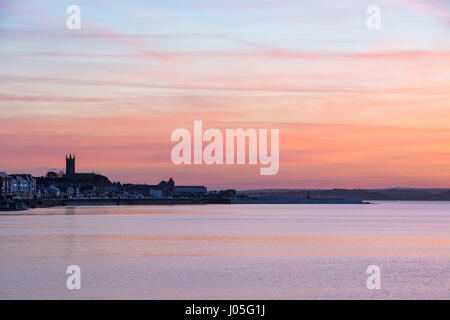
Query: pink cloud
column 434, row 7
column 41, row 98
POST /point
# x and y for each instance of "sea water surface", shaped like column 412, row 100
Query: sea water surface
column 287, row 251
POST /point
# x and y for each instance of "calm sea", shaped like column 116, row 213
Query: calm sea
column 228, row 251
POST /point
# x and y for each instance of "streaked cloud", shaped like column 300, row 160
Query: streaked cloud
column 355, row 108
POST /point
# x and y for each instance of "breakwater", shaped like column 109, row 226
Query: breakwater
column 16, row 205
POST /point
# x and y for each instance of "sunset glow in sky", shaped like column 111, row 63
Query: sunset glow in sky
column 356, row 108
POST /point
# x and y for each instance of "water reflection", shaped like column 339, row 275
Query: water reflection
column 234, row 252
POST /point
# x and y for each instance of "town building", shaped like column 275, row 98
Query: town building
column 23, row 186
column 70, row 165
column 72, row 184
column 190, row 191
column 5, row 184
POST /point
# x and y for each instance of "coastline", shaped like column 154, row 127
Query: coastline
column 21, row 205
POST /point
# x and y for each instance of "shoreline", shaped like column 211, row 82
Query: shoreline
column 22, row 205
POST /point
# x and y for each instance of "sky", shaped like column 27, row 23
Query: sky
column 356, row 108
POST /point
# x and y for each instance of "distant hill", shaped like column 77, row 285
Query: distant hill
column 363, row 194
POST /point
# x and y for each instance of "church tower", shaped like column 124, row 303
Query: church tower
column 70, row 165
